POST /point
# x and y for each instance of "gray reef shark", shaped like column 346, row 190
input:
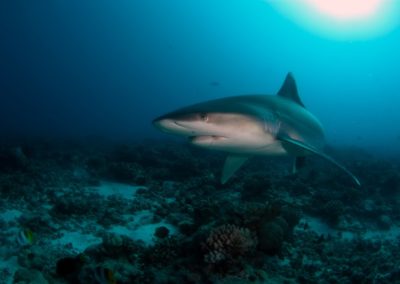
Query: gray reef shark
column 250, row 125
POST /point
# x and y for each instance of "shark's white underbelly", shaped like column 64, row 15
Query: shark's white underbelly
column 273, row 149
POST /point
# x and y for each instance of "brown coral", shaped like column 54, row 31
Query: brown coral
column 228, row 243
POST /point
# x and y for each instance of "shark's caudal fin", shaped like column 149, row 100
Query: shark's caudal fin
column 232, row 164
column 295, row 143
column 289, row 90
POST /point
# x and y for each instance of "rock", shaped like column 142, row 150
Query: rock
column 25, row 276
column 161, row 232
column 385, row 222
column 31, row 257
column 187, row 227
column 271, row 237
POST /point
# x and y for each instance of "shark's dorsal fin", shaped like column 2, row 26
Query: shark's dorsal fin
column 295, row 143
column 289, row 90
column 232, row 164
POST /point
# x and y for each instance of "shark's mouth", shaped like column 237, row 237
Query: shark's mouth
column 206, row 138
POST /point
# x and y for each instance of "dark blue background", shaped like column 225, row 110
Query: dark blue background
column 77, row 68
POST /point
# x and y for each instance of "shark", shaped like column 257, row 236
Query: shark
column 251, row 125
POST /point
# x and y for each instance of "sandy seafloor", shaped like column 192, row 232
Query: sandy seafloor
column 154, row 212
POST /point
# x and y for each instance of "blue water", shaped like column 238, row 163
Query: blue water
column 78, row 68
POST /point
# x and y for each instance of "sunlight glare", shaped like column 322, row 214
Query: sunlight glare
column 347, row 9
column 342, row 19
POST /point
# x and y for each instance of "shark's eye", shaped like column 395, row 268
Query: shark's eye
column 204, row 116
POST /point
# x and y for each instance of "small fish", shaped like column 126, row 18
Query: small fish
column 104, row 275
column 25, row 237
column 214, row 83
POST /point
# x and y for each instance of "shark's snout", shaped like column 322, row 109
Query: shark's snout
column 170, row 125
column 164, row 124
column 158, row 123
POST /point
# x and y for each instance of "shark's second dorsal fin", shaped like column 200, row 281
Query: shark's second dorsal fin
column 298, row 164
column 289, row 90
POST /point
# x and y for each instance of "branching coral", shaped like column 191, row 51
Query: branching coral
column 164, row 252
column 227, row 243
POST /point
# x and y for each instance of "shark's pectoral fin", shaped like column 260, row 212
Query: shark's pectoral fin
column 289, row 142
column 232, row 164
column 298, row 164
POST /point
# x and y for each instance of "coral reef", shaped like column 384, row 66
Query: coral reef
column 154, row 212
column 228, row 243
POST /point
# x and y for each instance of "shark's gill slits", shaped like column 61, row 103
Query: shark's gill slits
column 272, row 124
